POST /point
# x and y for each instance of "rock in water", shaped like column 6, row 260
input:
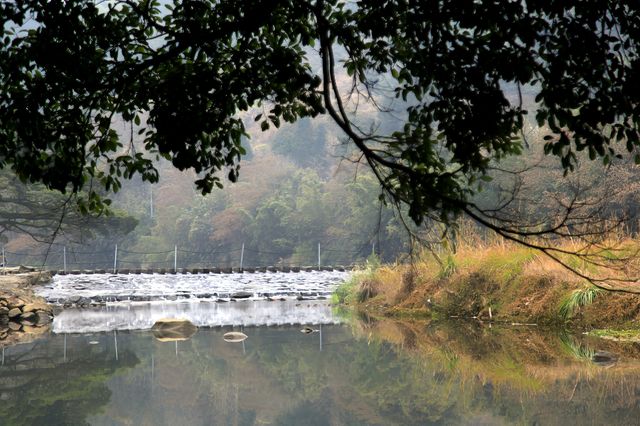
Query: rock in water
column 241, row 295
column 234, row 336
column 604, row 358
column 173, row 329
column 307, row 330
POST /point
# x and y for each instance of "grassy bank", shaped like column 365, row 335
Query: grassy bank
column 498, row 281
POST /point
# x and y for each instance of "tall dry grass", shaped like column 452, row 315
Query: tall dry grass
column 479, row 274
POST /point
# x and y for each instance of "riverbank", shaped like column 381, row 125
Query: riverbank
column 498, row 282
column 23, row 315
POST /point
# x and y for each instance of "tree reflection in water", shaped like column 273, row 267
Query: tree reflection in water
column 371, row 372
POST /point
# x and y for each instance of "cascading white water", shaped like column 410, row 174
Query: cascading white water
column 137, row 301
column 145, row 287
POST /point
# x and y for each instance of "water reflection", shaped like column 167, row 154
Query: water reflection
column 139, row 316
column 369, row 373
column 59, row 380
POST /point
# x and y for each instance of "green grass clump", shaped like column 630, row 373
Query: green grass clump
column 344, row 292
column 578, row 298
column 448, row 267
column 358, row 287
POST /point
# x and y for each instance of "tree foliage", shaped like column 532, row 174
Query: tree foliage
column 184, row 72
column 45, row 215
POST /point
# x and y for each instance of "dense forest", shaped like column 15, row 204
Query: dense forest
column 298, row 193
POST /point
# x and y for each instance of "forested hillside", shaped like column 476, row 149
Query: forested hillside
column 298, row 189
column 301, row 191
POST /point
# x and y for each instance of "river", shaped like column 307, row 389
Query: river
column 348, row 371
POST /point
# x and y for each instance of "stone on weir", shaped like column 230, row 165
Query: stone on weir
column 162, row 271
column 327, row 268
column 34, row 329
column 295, row 269
column 100, row 271
column 194, row 271
column 226, row 270
column 272, row 269
column 171, row 271
column 308, row 269
column 13, row 302
column 43, row 318
column 237, row 270
column 75, row 272
column 205, row 270
column 215, row 270
column 33, row 307
column 28, row 317
column 148, row 271
column 285, row 269
column 262, row 269
column 123, row 271
column 137, row 271
column 250, row 270
column 182, row 271
column 241, row 295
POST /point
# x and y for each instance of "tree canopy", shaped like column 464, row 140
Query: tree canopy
column 30, row 209
column 188, row 74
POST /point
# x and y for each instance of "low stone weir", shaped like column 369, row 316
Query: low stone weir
column 212, row 270
column 84, row 290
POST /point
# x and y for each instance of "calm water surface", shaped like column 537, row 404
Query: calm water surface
column 360, row 373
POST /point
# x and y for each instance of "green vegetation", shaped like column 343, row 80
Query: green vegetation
column 578, row 298
column 193, row 80
column 278, row 211
column 492, row 281
column 44, row 215
column 359, row 287
column 198, row 86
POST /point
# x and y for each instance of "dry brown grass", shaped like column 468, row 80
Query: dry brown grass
column 504, row 281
